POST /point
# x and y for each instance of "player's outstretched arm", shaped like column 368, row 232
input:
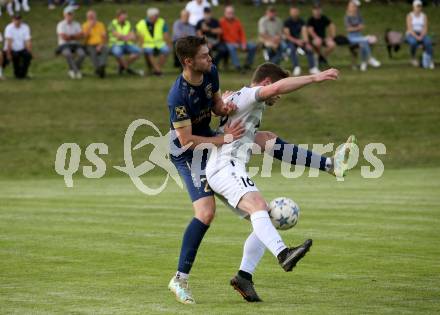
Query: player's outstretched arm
column 291, row 84
column 232, row 132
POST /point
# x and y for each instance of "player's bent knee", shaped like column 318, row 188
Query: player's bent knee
column 204, row 209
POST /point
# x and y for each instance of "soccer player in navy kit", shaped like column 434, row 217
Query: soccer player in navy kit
column 192, row 98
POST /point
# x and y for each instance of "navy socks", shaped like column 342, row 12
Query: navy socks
column 191, row 241
column 299, row 156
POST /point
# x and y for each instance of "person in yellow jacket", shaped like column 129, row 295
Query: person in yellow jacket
column 122, row 42
column 154, row 39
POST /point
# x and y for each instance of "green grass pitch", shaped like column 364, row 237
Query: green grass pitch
column 102, row 247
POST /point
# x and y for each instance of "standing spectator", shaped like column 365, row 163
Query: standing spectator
column 270, row 30
column 121, row 39
column 297, row 39
column 234, row 37
column 18, row 46
column 317, row 26
column 416, row 35
column 354, row 24
column 154, row 36
column 69, row 35
column 182, row 28
column 209, row 27
column 95, row 40
column 195, row 9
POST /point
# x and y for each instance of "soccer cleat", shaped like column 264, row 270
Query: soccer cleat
column 180, row 288
column 342, row 156
column 314, row 70
column 245, row 288
column 296, row 71
column 291, row 256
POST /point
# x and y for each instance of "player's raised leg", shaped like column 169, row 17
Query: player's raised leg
column 291, row 153
column 254, row 204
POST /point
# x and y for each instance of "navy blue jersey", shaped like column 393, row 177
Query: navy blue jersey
column 192, row 105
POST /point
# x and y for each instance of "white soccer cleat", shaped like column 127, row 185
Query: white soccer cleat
column 71, row 74
column 78, row 75
column 374, row 62
column 414, row 63
column 314, row 70
column 296, row 71
column 342, row 157
column 431, row 65
column 180, row 288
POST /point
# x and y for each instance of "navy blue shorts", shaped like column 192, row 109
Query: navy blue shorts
column 195, row 180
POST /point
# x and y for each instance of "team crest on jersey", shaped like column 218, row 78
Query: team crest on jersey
column 181, row 112
column 208, row 90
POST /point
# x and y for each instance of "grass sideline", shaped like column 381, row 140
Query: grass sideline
column 104, row 248
column 396, row 105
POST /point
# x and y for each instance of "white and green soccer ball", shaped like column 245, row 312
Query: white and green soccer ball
column 284, row 213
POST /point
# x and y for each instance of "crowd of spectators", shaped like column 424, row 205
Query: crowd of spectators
column 289, row 39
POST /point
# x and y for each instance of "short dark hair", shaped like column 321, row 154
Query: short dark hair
column 187, row 47
column 269, row 70
column 119, row 12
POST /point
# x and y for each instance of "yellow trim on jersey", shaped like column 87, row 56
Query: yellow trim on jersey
column 183, row 123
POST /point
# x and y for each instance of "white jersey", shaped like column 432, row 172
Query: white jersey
column 226, row 168
column 249, row 112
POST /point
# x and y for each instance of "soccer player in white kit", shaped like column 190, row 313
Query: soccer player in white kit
column 227, row 176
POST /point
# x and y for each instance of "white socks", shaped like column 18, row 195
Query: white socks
column 253, row 251
column 182, row 275
column 266, row 232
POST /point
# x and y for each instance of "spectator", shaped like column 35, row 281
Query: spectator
column 297, row 39
column 182, row 28
column 270, row 30
column 155, row 39
column 209, row 27
column 121, row 39
column 354, row 24
column 234, row 37
column 95, row 40
column 416, row 34
column 195, row 9
column 317, row 26
column 18, row 46
column 69, row 34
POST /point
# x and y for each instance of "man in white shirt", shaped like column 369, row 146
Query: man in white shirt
column 196, row 10
column 18, row 46
column 69, row 34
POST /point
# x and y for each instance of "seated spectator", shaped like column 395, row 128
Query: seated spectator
column 18, row 46
column 121, row 40
column 297, row 40
column 69, row 34
column 209, row 27
column 195, row 9
column 354, row 24
column 95, row 40
column 317, row 26
column 154, row 39
column 270, row 30
column 234, row 37
column 182, row 28
column 416, row 35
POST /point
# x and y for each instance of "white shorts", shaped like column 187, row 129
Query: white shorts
column 229, row 179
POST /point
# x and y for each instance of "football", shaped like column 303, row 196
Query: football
column 284, row 213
